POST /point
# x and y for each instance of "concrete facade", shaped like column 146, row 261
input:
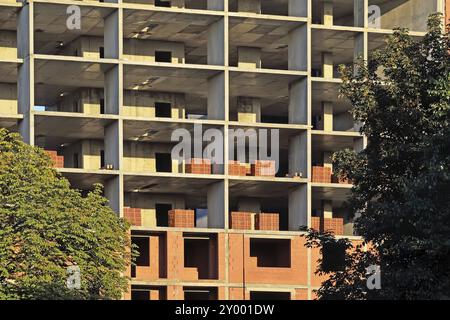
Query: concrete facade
column 104, row 97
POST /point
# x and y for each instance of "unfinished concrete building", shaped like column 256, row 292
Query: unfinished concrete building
column 104, row 93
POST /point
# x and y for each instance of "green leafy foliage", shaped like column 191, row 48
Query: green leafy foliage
column 401, row 180
column 45, row 226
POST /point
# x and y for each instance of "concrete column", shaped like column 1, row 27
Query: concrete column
column 327, row 65
column 327, row 208
column 114, row 193
column 249, row 109
column 216, row 43
column 328, row 13
column 113, row 144
column 359, row 47
column 298, row 8
column 358, row 13
column 298, row 153
column 112, row 35
column 327, row 115
column 298, row 207
column 113, row 89
column 298, row 50
column 249, row 58
column 216, row 97
column 253, row 6
column 298, row 102
column 216, row 209
column 359, row 144
column 25, row 74
column 215, row 5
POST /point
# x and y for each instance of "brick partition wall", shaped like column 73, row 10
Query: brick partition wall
column 58, row 161
column 133, row 215
column 179, row 218
column 267, row 221
column 235, row 168
column 239, row 247
column 336, row 225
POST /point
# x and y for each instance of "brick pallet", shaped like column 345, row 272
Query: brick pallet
column 180, row 218
column 58, row 161
column 198, row 166
column 263, row 168
column 267, row 221
column 235, row 168
column 133, row 215
column 241, row 220
column 321, row 174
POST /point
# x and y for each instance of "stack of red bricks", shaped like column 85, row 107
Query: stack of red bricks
column 263, row 168
column 241, row 220
column 336, row 225
column 267, row 221
column 321, row 174
column 133, row 215
column 235, row 168
column 198, row 166
column 179, row 218
column 58, row 161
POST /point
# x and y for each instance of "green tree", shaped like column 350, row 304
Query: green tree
column 402, row 179
column 45, row 227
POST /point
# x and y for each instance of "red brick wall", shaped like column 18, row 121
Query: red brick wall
column 58, row 161
column 328, row 224
column 199, row 166
column 133, row 216
column 267, row 221
column 263, row 168
column 296, row 274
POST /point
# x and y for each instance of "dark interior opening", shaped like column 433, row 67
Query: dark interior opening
column 162, row 3
column 140, row 295
column 162, row 214
column 163, row 56
column 163, row 110
column 143, row 243
column 201, row 253
column 333, row 257
column 271, row 252
column 163, row 162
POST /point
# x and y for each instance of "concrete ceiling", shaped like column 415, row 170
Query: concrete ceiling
column 161, row 79
column 275, row 7
column 272, row 36
column 85, row 181
column 339, row 193
column 155, row 131
column 50, row 25
column 61, row 129
column 340, row 43
column 8, row 18
column 8, row 72
column 53, row 77
column 332, row 142
column 342, row 11
column 260, row 189
column 328, row 92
